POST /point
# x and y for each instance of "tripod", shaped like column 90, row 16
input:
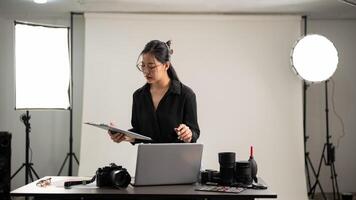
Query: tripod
column 25, row 118
column 329, row 159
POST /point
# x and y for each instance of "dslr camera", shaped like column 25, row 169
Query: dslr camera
column 112, row 176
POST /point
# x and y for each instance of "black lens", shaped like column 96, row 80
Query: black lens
column 204, row 177
column 211, row 176
column 120, row 178
column 243, row 172
column 227, row 167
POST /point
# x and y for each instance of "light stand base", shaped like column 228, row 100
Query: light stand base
column 69, row 155
column 28, row 167
column 329, row 161
column 25, row 118
column 311, row 190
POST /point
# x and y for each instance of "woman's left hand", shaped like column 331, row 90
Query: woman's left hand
column 184, row 133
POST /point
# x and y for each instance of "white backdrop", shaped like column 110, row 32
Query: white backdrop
column 238, row 67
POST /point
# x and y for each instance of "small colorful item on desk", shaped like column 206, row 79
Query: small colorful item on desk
column 225, row 189
column 44, row 182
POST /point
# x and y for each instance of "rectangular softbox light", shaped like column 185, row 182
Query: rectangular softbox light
column 42, row 67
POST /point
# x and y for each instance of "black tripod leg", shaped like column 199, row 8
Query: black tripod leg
column 317, row 183
column 312, row 188
column 322, row 191
column 22, row 166
column 29, row 172
column 64, row 162
column 317, row 176
column 311, row 166
column 33, row 170
column 337, row 185
column 307, row 173
column 75, row 157
column 334, row 182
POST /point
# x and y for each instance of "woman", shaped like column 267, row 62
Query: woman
column 164, row 108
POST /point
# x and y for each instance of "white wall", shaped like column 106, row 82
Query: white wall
column 238, row 67
column 342, row 33
column 50, row 129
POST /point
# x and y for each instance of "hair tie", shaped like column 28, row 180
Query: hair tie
column 168, row 44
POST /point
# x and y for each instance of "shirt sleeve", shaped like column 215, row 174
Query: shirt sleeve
column 191, row 117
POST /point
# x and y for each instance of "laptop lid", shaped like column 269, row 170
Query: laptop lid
column 168, row 163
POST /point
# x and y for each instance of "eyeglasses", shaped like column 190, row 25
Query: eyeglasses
column 148, row 68
column 44, row 182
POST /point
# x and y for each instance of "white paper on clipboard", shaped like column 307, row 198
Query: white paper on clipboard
column 114, row 129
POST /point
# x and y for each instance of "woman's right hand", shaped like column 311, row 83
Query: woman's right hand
column 119, row 137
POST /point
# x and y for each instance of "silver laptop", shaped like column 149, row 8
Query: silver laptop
column 168, row 163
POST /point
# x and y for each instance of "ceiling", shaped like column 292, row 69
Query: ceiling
column 328, row 9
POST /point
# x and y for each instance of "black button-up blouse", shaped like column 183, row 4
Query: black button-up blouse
column 177, row 106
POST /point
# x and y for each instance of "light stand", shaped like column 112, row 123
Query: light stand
column 307, row 161
column 25, row 118
column 329, row 150
column 42, row 73
column 70, row 154
column 314, row 59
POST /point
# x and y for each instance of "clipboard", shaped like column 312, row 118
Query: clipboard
column 114, row 129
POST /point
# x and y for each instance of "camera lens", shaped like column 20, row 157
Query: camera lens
column 204, row 177
column 120, row 178
column 211, row 176
column 243, row 172
column 227, row 167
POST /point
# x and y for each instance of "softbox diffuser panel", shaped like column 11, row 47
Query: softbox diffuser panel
column 42, row 67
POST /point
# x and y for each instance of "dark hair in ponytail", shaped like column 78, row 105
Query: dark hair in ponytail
column 162, row 52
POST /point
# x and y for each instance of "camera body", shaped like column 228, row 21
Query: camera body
column 112, row 176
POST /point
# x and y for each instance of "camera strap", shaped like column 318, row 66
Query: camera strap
column 68, row 184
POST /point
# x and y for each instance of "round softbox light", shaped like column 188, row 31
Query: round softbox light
column 314, row 58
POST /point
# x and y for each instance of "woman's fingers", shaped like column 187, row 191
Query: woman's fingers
column 184, row 133
column 181, row 128
column 118, row 137
column 122, row 138
column 111, row 132
column 187, row 136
